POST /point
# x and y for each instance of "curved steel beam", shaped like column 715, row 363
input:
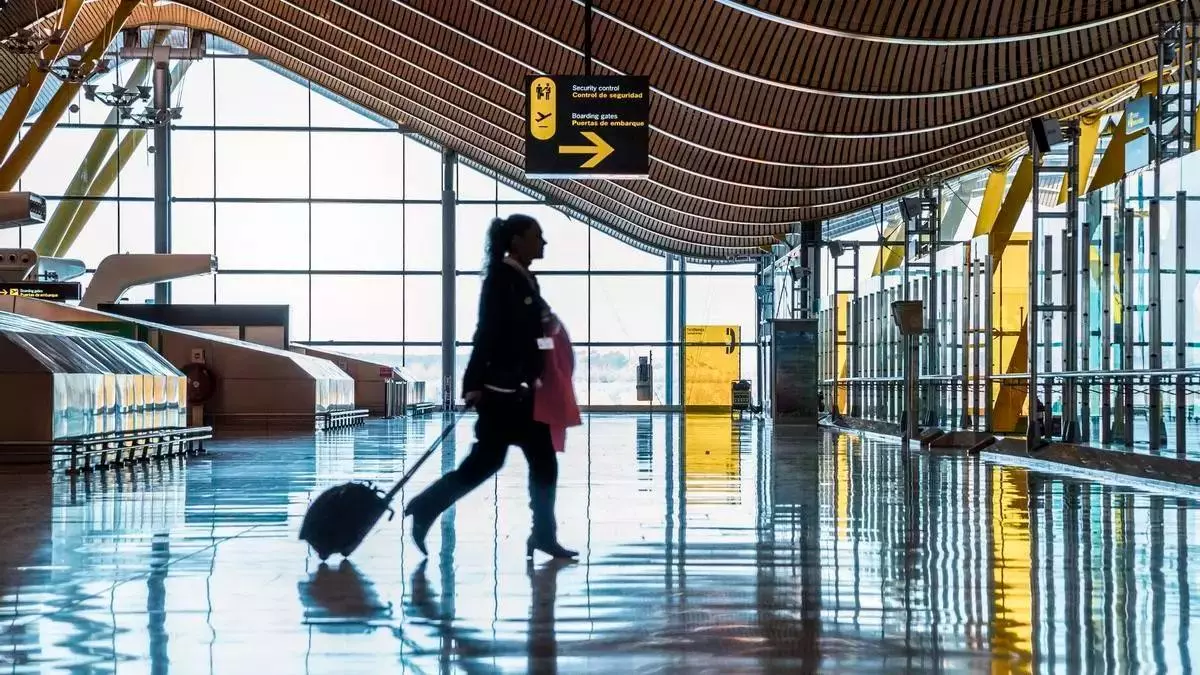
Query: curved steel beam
column 936, row 42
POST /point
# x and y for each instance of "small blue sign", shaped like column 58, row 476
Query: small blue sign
column 1137, row 115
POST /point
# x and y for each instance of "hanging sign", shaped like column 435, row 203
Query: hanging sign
column 587, row 127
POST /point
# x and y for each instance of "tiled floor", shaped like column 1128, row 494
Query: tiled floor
column 707, row 550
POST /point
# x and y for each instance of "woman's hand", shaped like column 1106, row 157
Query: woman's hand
column 472, row 397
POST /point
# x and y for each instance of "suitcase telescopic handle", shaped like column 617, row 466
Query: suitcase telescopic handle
column 437, row 443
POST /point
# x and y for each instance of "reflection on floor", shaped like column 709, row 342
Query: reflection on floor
column 1141, row 440
column 707, row 549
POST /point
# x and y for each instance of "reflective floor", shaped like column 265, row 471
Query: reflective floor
column 707, row 549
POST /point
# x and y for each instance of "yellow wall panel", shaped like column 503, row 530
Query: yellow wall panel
column 1010, row 300
column 712, row 361
column 843, row 351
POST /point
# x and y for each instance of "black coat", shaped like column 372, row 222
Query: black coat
column 505, row 353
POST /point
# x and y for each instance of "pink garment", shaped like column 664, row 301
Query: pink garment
column 554, row 402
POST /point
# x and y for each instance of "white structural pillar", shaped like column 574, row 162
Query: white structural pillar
column 449, row 309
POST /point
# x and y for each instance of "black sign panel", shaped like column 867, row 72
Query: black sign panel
column 41, row 291
column 587, row 127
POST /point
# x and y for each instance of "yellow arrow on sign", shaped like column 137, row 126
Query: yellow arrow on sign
column 598, row 149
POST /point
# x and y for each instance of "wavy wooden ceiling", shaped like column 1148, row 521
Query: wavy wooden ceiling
column 765, row 112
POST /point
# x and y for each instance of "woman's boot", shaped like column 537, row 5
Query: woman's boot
column 545, row 528
column 427, row 506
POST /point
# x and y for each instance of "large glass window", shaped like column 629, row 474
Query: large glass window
column 423, row 237
column 721, row 300
column 310, row 201
column 631, row 309
column 361, row 308
column 193, row 163
column 269, row 289
column 377, row 159
column 242, row 83
column 357, row 236
column 262, row 164
column 262, row 236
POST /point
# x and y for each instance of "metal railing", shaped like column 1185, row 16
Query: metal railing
column 88, row 452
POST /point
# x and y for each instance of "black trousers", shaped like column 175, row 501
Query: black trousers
column 504, row 421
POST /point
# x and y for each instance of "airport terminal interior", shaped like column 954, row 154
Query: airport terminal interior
column 866, row 325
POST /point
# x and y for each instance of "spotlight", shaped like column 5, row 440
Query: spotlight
column 909, row 316
column 1168, row 53
column 910, row 208
column 1044, row 133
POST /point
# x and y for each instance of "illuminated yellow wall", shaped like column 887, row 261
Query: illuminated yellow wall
column 712, row 361
column 843, row 351
column 1010, row 352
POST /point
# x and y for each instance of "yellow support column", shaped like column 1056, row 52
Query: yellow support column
column 1112, row 164
column 29, row 145
column 888, row 258
column 1010, row 209
column 993, row 197
column 99, row 187
column 1089, row 138
column 107, row 175
column 28, row 90
column 64, row 213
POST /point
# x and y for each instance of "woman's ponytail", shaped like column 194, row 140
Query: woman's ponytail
column 499, row 237
column 501, row 233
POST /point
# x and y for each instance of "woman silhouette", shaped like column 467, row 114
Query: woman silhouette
column 504, row 369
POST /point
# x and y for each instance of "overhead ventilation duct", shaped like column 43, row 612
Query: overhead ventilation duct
column 18, row 209
column 60, row 269
column 119, row 273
